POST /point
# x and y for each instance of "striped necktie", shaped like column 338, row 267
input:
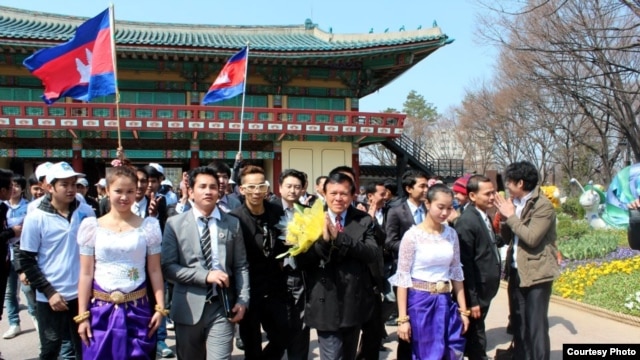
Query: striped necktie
column 339, row 223
column 205, row 243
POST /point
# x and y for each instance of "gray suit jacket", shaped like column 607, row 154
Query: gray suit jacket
column 184, row 264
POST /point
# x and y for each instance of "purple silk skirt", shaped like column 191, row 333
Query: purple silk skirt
column 436, row 327
column 120, row 331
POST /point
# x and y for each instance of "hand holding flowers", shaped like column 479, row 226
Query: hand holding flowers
column 306, row 226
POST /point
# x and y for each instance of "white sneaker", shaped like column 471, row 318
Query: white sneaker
column 14, row 330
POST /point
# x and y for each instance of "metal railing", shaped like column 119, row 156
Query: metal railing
column 417, row 157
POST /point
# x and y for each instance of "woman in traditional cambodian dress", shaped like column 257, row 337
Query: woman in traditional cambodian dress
column 428, row 265
column 116, row 319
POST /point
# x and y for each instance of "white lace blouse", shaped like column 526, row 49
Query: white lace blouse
column 428, row 257
column 120, row 258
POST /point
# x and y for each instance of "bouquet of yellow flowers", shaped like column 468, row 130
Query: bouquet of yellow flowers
column 304, row 229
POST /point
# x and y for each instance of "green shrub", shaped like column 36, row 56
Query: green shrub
column 568, row 228
column 572, row 207
column 621, row 234
column 595, row 244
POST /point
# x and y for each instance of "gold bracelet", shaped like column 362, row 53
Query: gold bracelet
column 402, row 319
column 82, row 317
column 464, row 312
column 161, row 310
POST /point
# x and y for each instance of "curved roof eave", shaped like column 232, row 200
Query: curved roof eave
column 28, row 28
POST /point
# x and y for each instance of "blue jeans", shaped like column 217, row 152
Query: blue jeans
column 30, row 294
column 162, row 330
column 11, row 298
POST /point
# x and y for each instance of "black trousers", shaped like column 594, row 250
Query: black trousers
column 270, row 312
column 404, row 350
column 372, row 333
column 476, row 346
column 299, row 333
column 56, row 326
column 529, row 308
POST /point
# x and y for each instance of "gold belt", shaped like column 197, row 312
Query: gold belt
column 118, row 297
column 440, row 287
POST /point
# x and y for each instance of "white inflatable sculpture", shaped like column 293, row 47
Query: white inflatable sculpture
column 590, row 202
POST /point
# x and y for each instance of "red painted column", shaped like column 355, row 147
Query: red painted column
column 194, row 161
column 76, row 155
column 277, row 167
column 355, row 163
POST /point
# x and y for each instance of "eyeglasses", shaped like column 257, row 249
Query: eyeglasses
column 252, row 188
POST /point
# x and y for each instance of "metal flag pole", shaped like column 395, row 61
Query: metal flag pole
column 244, row 92
column 112, row 25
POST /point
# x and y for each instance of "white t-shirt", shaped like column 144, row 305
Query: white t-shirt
column 54, row 240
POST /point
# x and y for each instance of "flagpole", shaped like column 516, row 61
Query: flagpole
column 112, row 25
column 244, row 92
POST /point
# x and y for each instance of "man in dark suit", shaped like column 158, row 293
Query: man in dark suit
column 291, row 184
column 480, row 261
column 82, row 186
column 268, row 307
column 409, row 212
column 319, row 188
column 373, row 329
column 202, row 253
column 392, row 198
column 306, row 198
column 147, row 203
column 399, row 219
column 336, row 270
column 227, row 202
column 291, row 188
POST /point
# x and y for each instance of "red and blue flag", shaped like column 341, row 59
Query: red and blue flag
column 82, row 68
column 230, row 81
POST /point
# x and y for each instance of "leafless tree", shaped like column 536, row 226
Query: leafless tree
column 378, row 154
column 578, row 62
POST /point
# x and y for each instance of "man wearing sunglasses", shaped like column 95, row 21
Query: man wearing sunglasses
column 268, row 282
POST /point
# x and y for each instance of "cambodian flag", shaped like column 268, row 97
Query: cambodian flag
column 81, row 68
column 230, row 81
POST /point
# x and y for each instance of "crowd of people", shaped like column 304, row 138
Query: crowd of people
column 104, row 278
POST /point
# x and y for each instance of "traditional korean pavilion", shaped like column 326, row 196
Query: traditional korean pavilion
column 302, row 96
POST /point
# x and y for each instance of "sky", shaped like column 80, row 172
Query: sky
column 441, row 78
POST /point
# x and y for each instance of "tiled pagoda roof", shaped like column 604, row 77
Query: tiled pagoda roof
column 36, row 29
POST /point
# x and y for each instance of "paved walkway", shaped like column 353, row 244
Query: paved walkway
column 568, row 325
